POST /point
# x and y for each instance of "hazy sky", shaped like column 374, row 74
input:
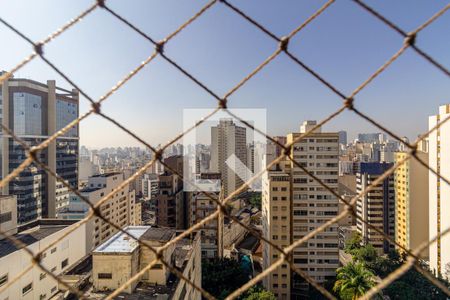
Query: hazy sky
column 345, row 45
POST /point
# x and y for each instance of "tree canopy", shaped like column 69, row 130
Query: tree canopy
column 353, row 281
column 220, row 277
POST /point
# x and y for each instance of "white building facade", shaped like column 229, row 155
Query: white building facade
column 439, row 193
column 36, row 284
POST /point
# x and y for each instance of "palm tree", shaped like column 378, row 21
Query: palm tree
column 353, row 281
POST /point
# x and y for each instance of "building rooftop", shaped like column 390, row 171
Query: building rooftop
column 143, row 291
column 90, row 189
column 182, row 253
column 106, row 174
column 33, row 233
column 121, row 242
column 159, row 234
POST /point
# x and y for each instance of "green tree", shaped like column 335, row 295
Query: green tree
column 353, row 243
column 220, row 277
column 367, row 255
column 411, row 285
column 255, row 200
column 258, row 293
column 353, row 281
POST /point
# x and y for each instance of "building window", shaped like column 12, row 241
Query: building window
column 5, row 217
column 53, row 269
column 157, row 266
column 53, row 289
column 27, row 288
column 104, row 275
column 3, row 279
column 42, row 276
column 53, row 250
column 42, row 296
column 64, row 263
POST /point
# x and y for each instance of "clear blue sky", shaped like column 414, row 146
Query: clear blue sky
column 345, row 45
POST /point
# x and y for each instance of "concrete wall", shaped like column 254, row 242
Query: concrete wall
column 121, row 267
column 159, row 273
column 193, row 271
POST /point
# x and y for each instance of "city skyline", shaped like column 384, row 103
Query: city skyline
column 410, row 84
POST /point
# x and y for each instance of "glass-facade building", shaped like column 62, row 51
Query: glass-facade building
column 34, row 111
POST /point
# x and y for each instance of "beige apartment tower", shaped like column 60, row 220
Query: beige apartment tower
column 229, row 154
column 411, row 199
column 294, row 205
column 276, row 216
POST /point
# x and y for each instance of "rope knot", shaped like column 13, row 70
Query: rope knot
column 159, row 46
column 158, row 154
column 96, row 107
column 284, row 43
column 414, row 148
column 348, row 103
column 39, row 48
column 32, row 153
column 410, row 39
column 223, row 103
column 287, row 150
column 37, row 258
column 101, row 3
column 96, row 211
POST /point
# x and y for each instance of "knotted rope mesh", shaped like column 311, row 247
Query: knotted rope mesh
column 348, row 104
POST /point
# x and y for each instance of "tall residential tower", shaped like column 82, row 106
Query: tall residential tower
column 411, row 202
column 229, row 154
column 439, row 212
column 294, row 205
column 376, row 207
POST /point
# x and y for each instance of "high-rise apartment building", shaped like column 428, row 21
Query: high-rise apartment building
column 439, row 210
column 312, row 204
column 294, row 204
column 342, row 137
column 201, row 206
column 150, row 184
column 170, row 200
column 276, row 222
column 411, row 202
column 376, row 207
column 121, row 208
column 229, row 154
column 34, row 111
